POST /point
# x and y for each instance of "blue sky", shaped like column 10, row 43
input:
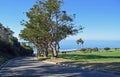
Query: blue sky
column 101, row 18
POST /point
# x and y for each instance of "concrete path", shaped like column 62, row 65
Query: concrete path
column 27, row 67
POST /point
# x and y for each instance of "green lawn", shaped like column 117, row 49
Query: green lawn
column 94, row 56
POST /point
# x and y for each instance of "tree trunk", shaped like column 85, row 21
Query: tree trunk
column 38, row 53
column 53, row 50
column 46, row 52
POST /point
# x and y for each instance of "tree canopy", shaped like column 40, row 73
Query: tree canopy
column 47, row 26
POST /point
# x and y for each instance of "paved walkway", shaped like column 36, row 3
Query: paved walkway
column 26, row 67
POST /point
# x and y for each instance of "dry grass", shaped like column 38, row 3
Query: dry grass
column 112, row 67
column 58, row 60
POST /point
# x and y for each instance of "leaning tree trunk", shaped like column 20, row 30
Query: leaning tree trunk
column 54, row 52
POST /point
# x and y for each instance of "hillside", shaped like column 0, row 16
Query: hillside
column 10, row 47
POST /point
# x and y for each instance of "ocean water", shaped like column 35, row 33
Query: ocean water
column 67, row 45
column 72, row 45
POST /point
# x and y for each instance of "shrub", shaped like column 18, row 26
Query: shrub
column 95, row 49
column 83, row 49
column 106, row 48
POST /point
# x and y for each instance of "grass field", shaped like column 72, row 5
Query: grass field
column 104, row 60
column 102, row 56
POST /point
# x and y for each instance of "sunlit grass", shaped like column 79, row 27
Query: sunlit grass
column 103, row 56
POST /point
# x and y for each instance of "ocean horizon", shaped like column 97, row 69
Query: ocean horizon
column 69, row 45
column 72, row 45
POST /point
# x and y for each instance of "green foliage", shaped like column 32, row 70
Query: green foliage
column 27, row 49
column 107, row 48
column 95, row 49
column 89, row 49
column 9, row 44
column 80, row 41
column 83, row 49
column 47, row 26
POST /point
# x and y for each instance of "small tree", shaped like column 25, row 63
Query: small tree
column 80, row 41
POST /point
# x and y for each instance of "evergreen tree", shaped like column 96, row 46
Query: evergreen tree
column 47, row 26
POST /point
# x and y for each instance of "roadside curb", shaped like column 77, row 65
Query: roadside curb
column 49, row 62
column 7, row 62
column 1, row 66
